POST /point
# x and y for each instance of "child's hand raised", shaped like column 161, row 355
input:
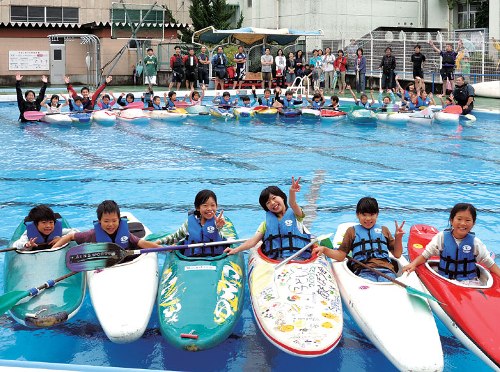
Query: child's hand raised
column 295, row 186
column 219, row 220
column 399, row 230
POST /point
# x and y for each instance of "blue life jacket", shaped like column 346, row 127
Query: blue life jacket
column 121, row 238
column 79, row 108
column 283, row 237
column 32, row 232
column 170, row 104
column 105, row 106
column 316, row 105
column 289, row 104
column 203, row 234
column 157, row 107
column 458, row 261
column 370, row 244
column 366, row 105
column 266, row 101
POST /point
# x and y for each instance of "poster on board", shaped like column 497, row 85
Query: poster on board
column 27, row 60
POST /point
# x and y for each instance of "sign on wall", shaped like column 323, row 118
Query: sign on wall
column 28, row 60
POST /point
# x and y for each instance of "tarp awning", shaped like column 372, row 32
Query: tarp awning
column 252, row 35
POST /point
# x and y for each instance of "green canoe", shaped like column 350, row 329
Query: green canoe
column 200, row 298
column 25, row 270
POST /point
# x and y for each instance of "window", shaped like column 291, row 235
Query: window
column 136, row 16
column 44, row 14
column 467, row 13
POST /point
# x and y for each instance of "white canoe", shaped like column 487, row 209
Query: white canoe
column 401, row 326
column 308, row 113
column 489, row 89
column 57, row 119
column 393, row 117
column 123, row 295
column 168, row 115
column 445, row 117
column 243, row 112
column 105, row 117
column 133, row 115
column 362, row 116
column 298, row 307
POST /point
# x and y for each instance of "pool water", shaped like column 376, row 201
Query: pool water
column 417, row 173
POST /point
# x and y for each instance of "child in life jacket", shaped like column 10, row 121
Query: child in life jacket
column 195, row 98
column 170, row 100
column 109, row 228
column 43, row 229
column 202, row 226
column 362, row 101
column 129, row 98
column 369, row 242
column 54, row 107
column 267, row 100
column 76, row 104
column 225, row 100
column 317, row 100
column 387, row 102
column 458, row 248
column 105, row 102
column 283, row 231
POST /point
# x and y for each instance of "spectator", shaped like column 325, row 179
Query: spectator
column 267, row 66
column 360, row 70
column 220, row 66
column 203, row 66
column 177, row 66
column 281, row 63
column 388, row 66
column 447, row 65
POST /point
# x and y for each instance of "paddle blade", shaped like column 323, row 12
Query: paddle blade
column 470, row 118
column 33, row 115
column 10, row 299
column 415, row 292
column 453, row 109
column 93, row 256
column 135, row 105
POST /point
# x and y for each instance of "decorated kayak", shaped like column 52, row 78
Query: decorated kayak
column 104, row 117
column 401, row 326
column 310, row 114
column 81, row 117
column 362, row 116
column 198, row 110
column 27, row 269
column 297, row 307
column 221, row 113
column 243, row 112
column 133, row 115
column 445, row 117
column 200, row 299
column 327, row 114
column 422, row 117
column 289, row 113
column 168, row 115
column 57, row 119
column 469, row 312
column 265, row 113
column 123, row 295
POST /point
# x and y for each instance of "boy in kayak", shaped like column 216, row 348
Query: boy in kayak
column 202, row 226
column 109, row 228
column 283, row 232
column 362, row 101
column 43, row 229
column 369, row 242
column 458, row 249
column 29, row 102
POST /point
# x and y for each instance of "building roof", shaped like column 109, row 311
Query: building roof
column 89, row 25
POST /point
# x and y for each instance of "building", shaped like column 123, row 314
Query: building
column 59, row 38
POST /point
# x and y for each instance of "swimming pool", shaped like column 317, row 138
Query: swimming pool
column 417, row 173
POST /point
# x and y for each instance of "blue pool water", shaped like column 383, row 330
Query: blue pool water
column 417, row 173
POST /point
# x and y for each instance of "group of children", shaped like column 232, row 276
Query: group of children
column 281, row 234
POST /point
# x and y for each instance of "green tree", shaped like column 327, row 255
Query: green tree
column 216, row 13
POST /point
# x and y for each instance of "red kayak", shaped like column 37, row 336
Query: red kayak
column 469, row 312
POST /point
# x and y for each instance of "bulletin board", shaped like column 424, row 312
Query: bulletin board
column 28, row 60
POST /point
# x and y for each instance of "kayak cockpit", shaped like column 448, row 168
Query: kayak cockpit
column 484, row 276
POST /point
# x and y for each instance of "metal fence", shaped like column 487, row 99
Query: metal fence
column 477, row 61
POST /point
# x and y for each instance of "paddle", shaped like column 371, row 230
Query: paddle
column 132, row 105
column 93, row 256
column 10, row 299
column 34, row 115
column 313, row 241
column 410, row 290
column 9, row 249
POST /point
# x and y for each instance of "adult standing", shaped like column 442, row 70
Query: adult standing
column 177, row 66
column 290, row 69
column 360, row 69
column 203, row 67
column 299, row 63
column 328, row 62
column 150, row 67
column 219, row 61
column 29, row 102
column 190, row 64
column 418, row 60
column 241, row 62
column 463, row 94
column 388, row 66
column 352, row 54
column 281, row 63
column 340, row 66
column 449, row 57
column 267, row 61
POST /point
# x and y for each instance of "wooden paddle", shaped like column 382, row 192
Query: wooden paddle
column 93, row 256
column 410, row 290
column 10, row 299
